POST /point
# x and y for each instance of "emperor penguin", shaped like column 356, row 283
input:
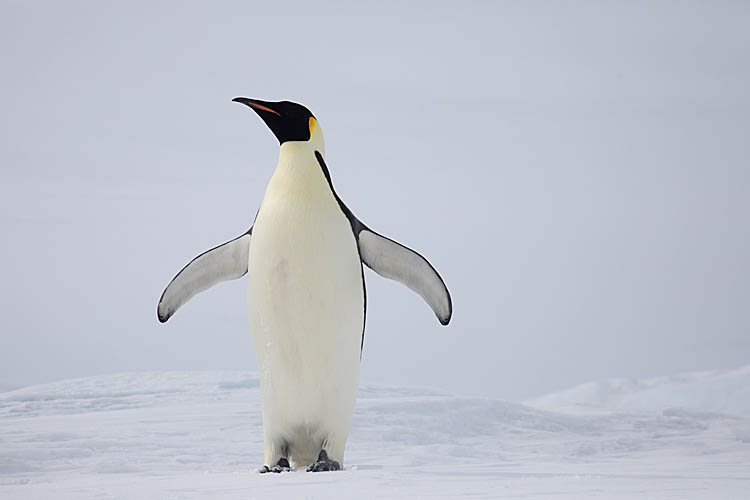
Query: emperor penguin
column 306, row 294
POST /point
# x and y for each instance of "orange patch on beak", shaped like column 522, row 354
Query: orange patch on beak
column 264, row 108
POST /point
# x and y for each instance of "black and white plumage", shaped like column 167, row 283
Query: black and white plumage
column 227, row 261
column 306, row 294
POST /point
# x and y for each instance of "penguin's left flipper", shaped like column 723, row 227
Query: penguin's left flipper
column 222, row 263
column 393, row 260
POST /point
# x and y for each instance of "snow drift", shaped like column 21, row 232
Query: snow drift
column 199, row 435
column 718, row 390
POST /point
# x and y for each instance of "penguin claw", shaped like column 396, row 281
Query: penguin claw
column 329, row 465
column 324, row 464
column 281, row 466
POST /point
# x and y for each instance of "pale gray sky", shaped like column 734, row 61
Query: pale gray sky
column 577, row 171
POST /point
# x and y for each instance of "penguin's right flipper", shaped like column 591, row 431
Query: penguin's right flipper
column 225, row 262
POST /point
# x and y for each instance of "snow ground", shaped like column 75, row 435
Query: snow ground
column 718, row 390
column 186, row 435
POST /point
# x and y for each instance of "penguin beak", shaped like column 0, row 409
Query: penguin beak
column 283, row 122
column 257, row 105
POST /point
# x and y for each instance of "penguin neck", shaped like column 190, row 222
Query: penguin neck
column 296, row 155
column 298, row 174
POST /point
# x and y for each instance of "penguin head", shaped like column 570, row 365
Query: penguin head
column 287, row 120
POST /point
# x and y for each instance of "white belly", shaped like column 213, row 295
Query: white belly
column 306, row 310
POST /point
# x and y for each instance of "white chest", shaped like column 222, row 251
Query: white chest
column 305, row 295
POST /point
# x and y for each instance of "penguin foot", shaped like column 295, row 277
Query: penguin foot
column 281, row 466
column 324, row 463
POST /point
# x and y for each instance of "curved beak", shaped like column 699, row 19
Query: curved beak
column 257, row 105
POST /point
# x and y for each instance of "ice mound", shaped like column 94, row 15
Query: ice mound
column 715, row 391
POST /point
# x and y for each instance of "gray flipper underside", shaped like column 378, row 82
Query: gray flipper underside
column 393, row 260
column 222, row 263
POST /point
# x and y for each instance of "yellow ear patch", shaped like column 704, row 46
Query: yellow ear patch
column 312, row 125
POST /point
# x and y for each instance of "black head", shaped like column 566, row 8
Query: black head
column 288, row 121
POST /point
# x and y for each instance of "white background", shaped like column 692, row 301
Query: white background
column 577, row 172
